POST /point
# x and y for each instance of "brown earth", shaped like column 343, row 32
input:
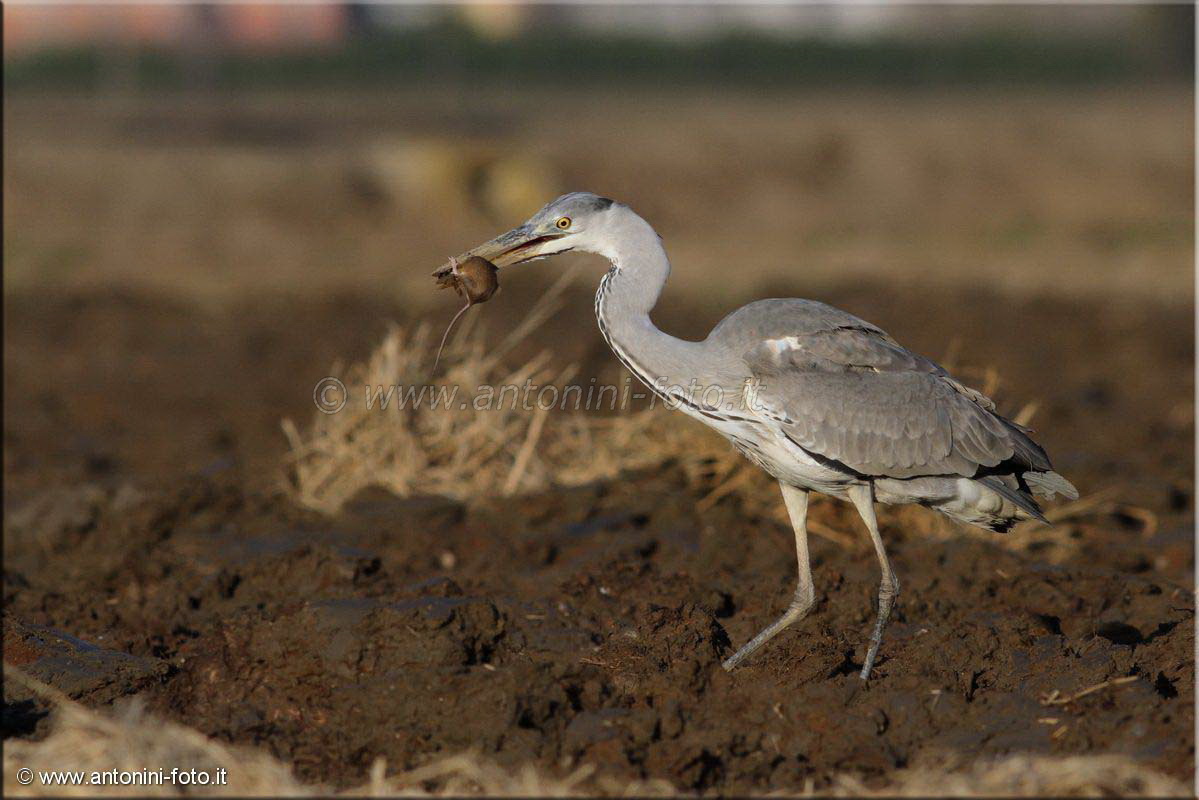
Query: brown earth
column 586, row 625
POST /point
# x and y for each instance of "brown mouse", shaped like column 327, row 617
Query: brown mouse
column 476, row 279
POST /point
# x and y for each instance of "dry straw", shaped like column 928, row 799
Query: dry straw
column 471, row 454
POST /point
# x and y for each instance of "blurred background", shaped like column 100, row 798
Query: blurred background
column 204, row 150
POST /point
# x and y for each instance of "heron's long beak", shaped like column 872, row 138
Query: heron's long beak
column 514, row 247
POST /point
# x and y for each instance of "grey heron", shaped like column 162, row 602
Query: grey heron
column 825, row 401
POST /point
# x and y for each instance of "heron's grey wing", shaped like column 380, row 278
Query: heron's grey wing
column 874, row 349
column 774, row 318
column 828, row 331
column 855, row 396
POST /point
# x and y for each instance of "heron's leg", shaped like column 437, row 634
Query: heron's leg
column 804, row 598
column 862, row 497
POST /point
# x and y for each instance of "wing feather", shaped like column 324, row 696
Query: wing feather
column 854, row 395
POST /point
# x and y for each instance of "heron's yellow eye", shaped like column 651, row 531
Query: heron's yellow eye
column 563, row 223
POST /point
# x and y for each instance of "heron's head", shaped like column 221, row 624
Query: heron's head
column 575, row 221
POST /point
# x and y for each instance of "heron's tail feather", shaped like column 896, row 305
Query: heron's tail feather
column 1022, row 500
column 999, row 502
column 1047, row 484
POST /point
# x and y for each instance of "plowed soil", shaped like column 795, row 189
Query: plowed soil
column 148, row 554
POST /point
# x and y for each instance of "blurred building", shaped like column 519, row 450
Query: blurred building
column 250, row 25
column 280, row 25
column 849, row 20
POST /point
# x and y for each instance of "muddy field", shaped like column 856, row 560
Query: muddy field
column 143, row 516
column 181, row 270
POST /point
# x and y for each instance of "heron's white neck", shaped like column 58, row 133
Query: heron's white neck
column 629, row 292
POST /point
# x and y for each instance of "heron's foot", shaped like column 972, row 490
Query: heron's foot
column 886, row 601
column 871, row 654
column 801, row 604
column 736, row 658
